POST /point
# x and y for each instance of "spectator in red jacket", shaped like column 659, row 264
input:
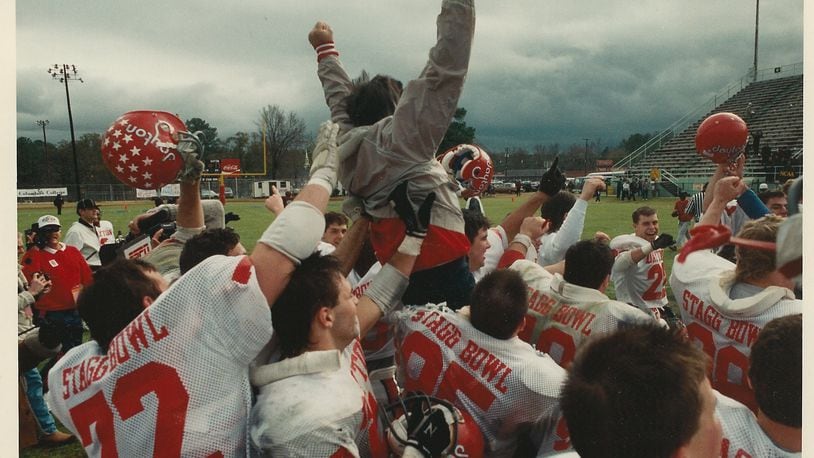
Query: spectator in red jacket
column 65, row 266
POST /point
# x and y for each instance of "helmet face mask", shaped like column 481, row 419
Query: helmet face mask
column 147, row 149
column 462, row 427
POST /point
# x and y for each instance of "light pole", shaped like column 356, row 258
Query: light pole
column 586, row 155
column 63, row 73
column 43, row 123
column 757, row 16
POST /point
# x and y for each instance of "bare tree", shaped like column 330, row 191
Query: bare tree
column 284, row 133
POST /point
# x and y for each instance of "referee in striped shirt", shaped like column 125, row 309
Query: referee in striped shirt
column 696, row 205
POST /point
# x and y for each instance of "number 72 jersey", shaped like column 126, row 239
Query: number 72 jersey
column 175, row 381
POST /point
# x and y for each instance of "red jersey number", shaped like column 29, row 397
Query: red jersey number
column 725, row 358
column 547, row 339
column 456, row 379
column 130, row 388
column 657, row 289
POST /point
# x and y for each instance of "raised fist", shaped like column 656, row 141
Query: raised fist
column 320, row 34
column 552, row 180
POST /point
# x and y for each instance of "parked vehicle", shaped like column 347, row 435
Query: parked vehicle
column 261, row 189
column 208, row 194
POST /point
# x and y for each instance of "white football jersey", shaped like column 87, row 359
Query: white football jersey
column 643, row 284
column 498, row 243
column 505, row 385
column 725, row 328
column 105, row 232
column 175, row 381
column 742, row 436
column 561, row 315
column 323, row 409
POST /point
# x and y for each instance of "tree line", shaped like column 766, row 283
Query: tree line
column 286, row 142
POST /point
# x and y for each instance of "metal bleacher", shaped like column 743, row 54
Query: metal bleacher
column 772, row 105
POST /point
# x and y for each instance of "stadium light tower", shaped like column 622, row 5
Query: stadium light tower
column 64, row 73
column 757, row 17
column 43, row 123
column 586, row 155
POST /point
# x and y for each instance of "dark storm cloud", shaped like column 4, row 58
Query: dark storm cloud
column 541, row 72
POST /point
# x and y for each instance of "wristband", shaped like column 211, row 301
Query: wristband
column 522, row 239
column 326, row 49
column 387, row 288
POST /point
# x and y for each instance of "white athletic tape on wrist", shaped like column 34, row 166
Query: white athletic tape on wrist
column 522, row 239
column 411, row 245
column 647, row 249
column 296, row 232
column 387, row 288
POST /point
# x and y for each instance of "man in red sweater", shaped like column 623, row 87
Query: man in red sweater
column 65, row 266
column 681, row 211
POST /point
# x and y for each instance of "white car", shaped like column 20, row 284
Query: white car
column 208, row 194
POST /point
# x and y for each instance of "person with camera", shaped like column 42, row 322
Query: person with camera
column 65, row 267
column 27, row 294
column 83, row 234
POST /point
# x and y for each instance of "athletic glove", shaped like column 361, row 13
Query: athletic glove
column 416, row 220
column 191, row 149
column 324, row 158
column 428, row 431
column 231, row 216
column 553, row 179
column 662, row 241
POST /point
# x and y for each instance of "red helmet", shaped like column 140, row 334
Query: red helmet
column 466, row 438
column 470, row 165
column 721, row 137
column 144, row 149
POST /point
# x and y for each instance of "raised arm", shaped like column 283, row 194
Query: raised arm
column 428, row 102
column 726, row 189
column 389, row 284
column 336, row 84
column 294, row 234
column 551, row 183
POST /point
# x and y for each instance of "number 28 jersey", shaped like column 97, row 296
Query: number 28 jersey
column 175, row 381
column 643, row 284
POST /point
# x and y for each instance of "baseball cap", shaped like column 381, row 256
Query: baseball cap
column 790, row 247
column 85, row 204
column 763, row 187
column 48, row 220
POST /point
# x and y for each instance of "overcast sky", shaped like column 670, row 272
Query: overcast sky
column 541, row 71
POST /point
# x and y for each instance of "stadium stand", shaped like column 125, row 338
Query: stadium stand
column 773, row 110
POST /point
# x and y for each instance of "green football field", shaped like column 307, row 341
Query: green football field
column 610, row 216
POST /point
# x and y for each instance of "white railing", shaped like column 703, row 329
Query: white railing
column 723, row 95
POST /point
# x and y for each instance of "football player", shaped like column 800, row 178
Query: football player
column 615, row 403
column 776, row 373
column 167, row 372
column 565, row 310
column 473, row 359
column 321, row 378
column 725, row 305
column 638, row 271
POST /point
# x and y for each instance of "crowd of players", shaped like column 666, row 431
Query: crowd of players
column 408, row 326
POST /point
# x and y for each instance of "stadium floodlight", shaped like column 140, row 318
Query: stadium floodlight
column 65, row 73
column 43, row 123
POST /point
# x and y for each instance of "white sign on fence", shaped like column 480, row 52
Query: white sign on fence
column 41, row 192
column 170, row 190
